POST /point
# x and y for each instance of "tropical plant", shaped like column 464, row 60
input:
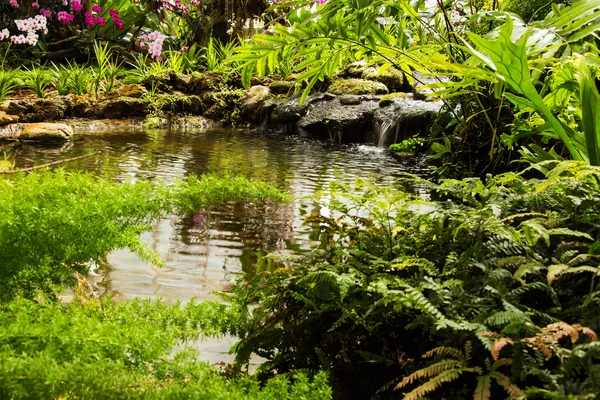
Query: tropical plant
column 106, row 350
column 396, row 277
column 8, row 83
column 38, row 80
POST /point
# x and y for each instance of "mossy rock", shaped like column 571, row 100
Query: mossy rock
column 155, row 122
column 281, row 87
column 388, row 99
column 356, row 86
column 355, row 69
column 160, row 81
column 392, row 78
column 6, row 119
column 123, row 107
column 132, row 90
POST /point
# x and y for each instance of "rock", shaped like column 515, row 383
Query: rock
column 180, row 82
column 160, row 81
column 223, row 105
column 134, row 90
column 46, row 132
column 180, row 103
column 344, row 123
column 403, row 118
column 51, row 109
column 6, row 119
column 122, row 107
column 355, row 70
column 18, row 107
column 83, row 108
column 388, row 99
column 356, row 86
column 351, row 99
column 38, row 110
column 392, row 78
column 282, row 87
column 290, row 110
column 253, row 101
column 207, row 82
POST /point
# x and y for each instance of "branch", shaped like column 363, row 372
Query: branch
column 29, row 169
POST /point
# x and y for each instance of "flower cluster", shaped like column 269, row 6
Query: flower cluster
column 178, row 5
column 154, row 41
column 65, row 17
column 114, row 15
column 91, row 20
column 29, row 26
column 76, row 5
column 46, row 13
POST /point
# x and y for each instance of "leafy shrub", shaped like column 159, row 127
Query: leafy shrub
column 53, row 224
column 496, row 282
column 126, row 350
column 408, row 145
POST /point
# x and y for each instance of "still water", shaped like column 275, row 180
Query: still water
column 204, row 251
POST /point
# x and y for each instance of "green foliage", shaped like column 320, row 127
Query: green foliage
column 408, row 145
column 131, row 350
column 38, row 80
column 8, row 83
column 506, row 267
column 52, row 224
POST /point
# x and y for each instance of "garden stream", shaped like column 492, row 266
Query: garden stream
column 205, row 251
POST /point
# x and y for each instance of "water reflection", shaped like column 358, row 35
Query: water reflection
column 204, row 251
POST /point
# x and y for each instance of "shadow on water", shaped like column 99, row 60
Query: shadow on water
column 206, row 250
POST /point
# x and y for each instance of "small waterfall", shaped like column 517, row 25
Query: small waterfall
column 383, row 130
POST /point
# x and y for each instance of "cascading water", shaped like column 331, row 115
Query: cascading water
column 403, row 118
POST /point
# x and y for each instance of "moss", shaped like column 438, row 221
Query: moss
column 388, row 99
column 392, row 78
column 357, row 86
column 281, row 87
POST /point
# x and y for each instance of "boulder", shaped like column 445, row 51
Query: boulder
column 134, row 91
column 282, row 87
column 290, row 110
column 355, row 70
column 253, row 101
column 403, row 118
column 392, row 78
column 122, row 107
column 46, row 132
column 356, row 87
column 6, row 119
column 51, row 109
column 343, row 123
column 38, row 110
column 388, row 99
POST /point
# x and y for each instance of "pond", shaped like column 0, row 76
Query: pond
column 203, row 252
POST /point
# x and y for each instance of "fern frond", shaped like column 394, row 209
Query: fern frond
column 503, row 362
column 504, row 381
column 526, row 269
column 506, row 317
column 483, row 390
column 431, row 370
column 433, row 384
column 444, row 351
column 499, row 344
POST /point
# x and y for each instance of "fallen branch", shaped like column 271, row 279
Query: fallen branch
column 15, row 171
